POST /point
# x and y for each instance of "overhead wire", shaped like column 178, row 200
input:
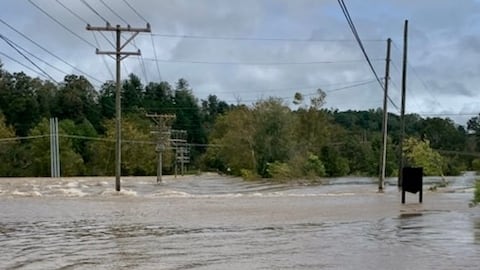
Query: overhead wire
column 83, row 20
column 346, row 13
column 156, row 59
column 151, row 36
column 94, row 10
column 38, row 58
column 233, row 38
column 114, row 12
column 103, row 58
column 23, row 65
column 419, row 78
column 256, row 63
column 135, row 11
column 26, row 57
column 48, row 51
column 61, row 24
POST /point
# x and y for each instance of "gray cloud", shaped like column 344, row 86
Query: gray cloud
column 443, row 47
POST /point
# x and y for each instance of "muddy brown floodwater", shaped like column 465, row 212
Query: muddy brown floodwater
column 216, row 222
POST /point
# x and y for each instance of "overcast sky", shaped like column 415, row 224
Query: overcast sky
column 243, row 51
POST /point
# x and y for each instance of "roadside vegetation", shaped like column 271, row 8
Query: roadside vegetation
column 268, row 139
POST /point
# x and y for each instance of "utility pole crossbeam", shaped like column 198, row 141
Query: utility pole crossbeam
column 119, row 56
column 163, row 130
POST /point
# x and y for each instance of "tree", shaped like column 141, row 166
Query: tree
column 18, row 102
column 233, row 137
column 77, row 100
column 138, row 149
column 158, row 98
column 211, row 109
column 132, row 94
column 106, row 100
column 188, row 117
column 419, row 154
column 273, row 139
column 7, row 148
column 38, row 160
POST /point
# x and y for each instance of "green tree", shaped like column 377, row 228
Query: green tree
column 419, row 154
column 273, row 139
column 159, row 98
column 188, row 117
column 233, row 137
column 77, row 100
column 138, row 149
column 71, row 163
column 7, row 148
column 132, row 94
column 106, row 100
column 18, row 101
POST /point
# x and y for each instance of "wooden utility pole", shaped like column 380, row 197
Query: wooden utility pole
column 119, row 56
column 383, row 158
column 402, row 112
column 163, row 123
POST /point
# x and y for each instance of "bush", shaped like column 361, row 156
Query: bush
column 314, row 166
column 279, row 170
column 248, row 174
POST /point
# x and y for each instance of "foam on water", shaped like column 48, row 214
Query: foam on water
column 32, row 193
column 124, row 192
column 73, row 192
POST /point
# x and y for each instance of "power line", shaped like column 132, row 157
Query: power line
column 49, row 52
column 156, row 58
column 83, row 20
column 135, row 11
column 103, row 58
column 256, row 63
column 362, row 48
column 61, row 24
column 233, row 38
column 26, row 57
column 39, row 59
column 94, row 11
column 23, row 65
column 114, row 12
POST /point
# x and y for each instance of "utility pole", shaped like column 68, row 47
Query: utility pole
column 383, row 158
column 402, row 113
column 119, row 56
column 163, row 123
column 182, row 152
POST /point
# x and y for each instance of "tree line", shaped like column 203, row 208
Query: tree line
column 268, row 139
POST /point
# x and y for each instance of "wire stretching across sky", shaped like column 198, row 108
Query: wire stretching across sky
column 357, row 37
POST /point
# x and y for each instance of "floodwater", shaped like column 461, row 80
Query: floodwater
column 216, row 222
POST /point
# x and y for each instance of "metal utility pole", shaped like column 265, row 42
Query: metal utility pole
column 119, row 56
column 163, row 123
column 54, row 148
column 383, row 158
column 182, row 151
column 402, row 113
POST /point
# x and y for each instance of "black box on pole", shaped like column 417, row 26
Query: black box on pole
column 412, row 182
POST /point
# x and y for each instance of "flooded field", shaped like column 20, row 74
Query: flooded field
column 216, row 222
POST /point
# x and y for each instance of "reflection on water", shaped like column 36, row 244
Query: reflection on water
column 212, row 222
column 476, row 231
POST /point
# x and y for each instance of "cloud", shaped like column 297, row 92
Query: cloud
column 443, row 47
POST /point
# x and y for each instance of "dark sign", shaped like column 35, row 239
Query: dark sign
column 412, row 181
